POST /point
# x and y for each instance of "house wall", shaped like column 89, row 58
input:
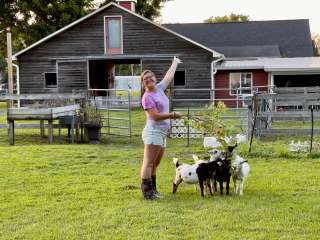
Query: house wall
column 222, row 85
column 87, row 39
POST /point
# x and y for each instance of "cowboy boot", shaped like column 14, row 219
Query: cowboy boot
column 147, row 190
column 154, row 187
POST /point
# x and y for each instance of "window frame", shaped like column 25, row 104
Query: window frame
column 251, row 85
column 185, row 79
column 110, row 51
column 44, row 81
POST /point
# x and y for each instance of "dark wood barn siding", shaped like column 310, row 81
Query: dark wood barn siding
column 87, row 39
column 260, row 79
column 72, row 70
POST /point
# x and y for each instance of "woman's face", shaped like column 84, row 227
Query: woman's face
column 149, row 81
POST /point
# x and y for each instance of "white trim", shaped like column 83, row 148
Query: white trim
column 234, row 94
column 17, row 77
column 213, row 73
column 214, row 53
column 88, row 75
column 105, row 34
column 293, row 71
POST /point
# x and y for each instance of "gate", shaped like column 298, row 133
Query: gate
column 115, row 107
column 191, row 101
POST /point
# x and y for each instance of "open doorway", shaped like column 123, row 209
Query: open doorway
column 103, row 74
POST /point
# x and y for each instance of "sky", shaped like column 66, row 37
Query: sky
column 182, row 11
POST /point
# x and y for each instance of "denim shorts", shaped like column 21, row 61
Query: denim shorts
column 154, row 136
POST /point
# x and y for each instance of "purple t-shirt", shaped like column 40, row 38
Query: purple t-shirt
column 160, row 102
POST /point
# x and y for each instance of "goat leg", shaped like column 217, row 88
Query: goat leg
column 175, row 185
column 221, row 187
column 201, row 187
column 241, row 186
column 234, row 184
column 209, row 186
column 228, row 186
column 214, row 185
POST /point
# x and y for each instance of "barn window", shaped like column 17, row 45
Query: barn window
column 50, row 80
column 179, row 79
column 240, row 83
column 113, row 35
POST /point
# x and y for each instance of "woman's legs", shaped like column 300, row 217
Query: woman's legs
column 151, row 153
column 157, row 161
column 154, row 171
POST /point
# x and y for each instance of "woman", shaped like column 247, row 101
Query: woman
column 156, row 106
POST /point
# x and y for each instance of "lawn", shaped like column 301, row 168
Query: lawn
column 85, row 191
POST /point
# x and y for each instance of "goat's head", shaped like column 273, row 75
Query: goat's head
column 215, row 154
column 229, row 152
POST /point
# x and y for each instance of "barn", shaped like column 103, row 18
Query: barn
column 225, row 61
column 84, row 54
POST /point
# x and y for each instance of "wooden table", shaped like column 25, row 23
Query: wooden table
column 42, row 114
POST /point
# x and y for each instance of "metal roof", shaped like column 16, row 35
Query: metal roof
column 292, row 36
column 311, row 64
column 249, row 51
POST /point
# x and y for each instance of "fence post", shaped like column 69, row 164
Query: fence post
column 129, row 111
column 188, row 128
column 255, row 107
column 311, row 128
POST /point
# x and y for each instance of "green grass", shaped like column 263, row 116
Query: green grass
column 85, row 191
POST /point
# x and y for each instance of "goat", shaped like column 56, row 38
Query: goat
column 239, row 171
column 200, row 172
column 222, row 173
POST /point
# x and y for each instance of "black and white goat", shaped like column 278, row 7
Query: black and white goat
column 200, row 172
column 222, row 173
column 240, row 171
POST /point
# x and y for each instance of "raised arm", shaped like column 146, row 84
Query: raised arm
column 170, row 73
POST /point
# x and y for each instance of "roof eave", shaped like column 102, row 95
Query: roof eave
column 310, row 70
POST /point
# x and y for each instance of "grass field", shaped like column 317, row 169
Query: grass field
column 85, row 191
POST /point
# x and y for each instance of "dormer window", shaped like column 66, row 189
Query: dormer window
column 113, row 35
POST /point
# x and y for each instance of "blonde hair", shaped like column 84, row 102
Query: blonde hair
column 141, row 79
column 144, row 73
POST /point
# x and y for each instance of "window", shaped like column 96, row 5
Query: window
column 50, row 80
column 240, row 83
column 113, row 35
column 179, row 79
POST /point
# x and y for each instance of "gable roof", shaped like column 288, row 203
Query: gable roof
column 214, row 53
column 292, row 37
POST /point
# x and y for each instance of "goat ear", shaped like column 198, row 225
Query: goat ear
column 231, row 148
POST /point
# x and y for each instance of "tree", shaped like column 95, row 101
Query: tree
column 228, row 18
column 31, row 20
column 316, row 39
column 147, row 8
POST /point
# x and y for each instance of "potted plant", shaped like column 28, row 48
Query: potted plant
column 92, row 122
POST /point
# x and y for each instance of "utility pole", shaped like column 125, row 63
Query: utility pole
column 10, row 74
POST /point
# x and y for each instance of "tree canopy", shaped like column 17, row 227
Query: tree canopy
column 316, row 39
column 228, row 18
column 31, row 20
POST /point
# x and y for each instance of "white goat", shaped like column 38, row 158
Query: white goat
column 239, row 170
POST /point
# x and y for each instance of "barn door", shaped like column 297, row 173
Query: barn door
column 72, row 76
